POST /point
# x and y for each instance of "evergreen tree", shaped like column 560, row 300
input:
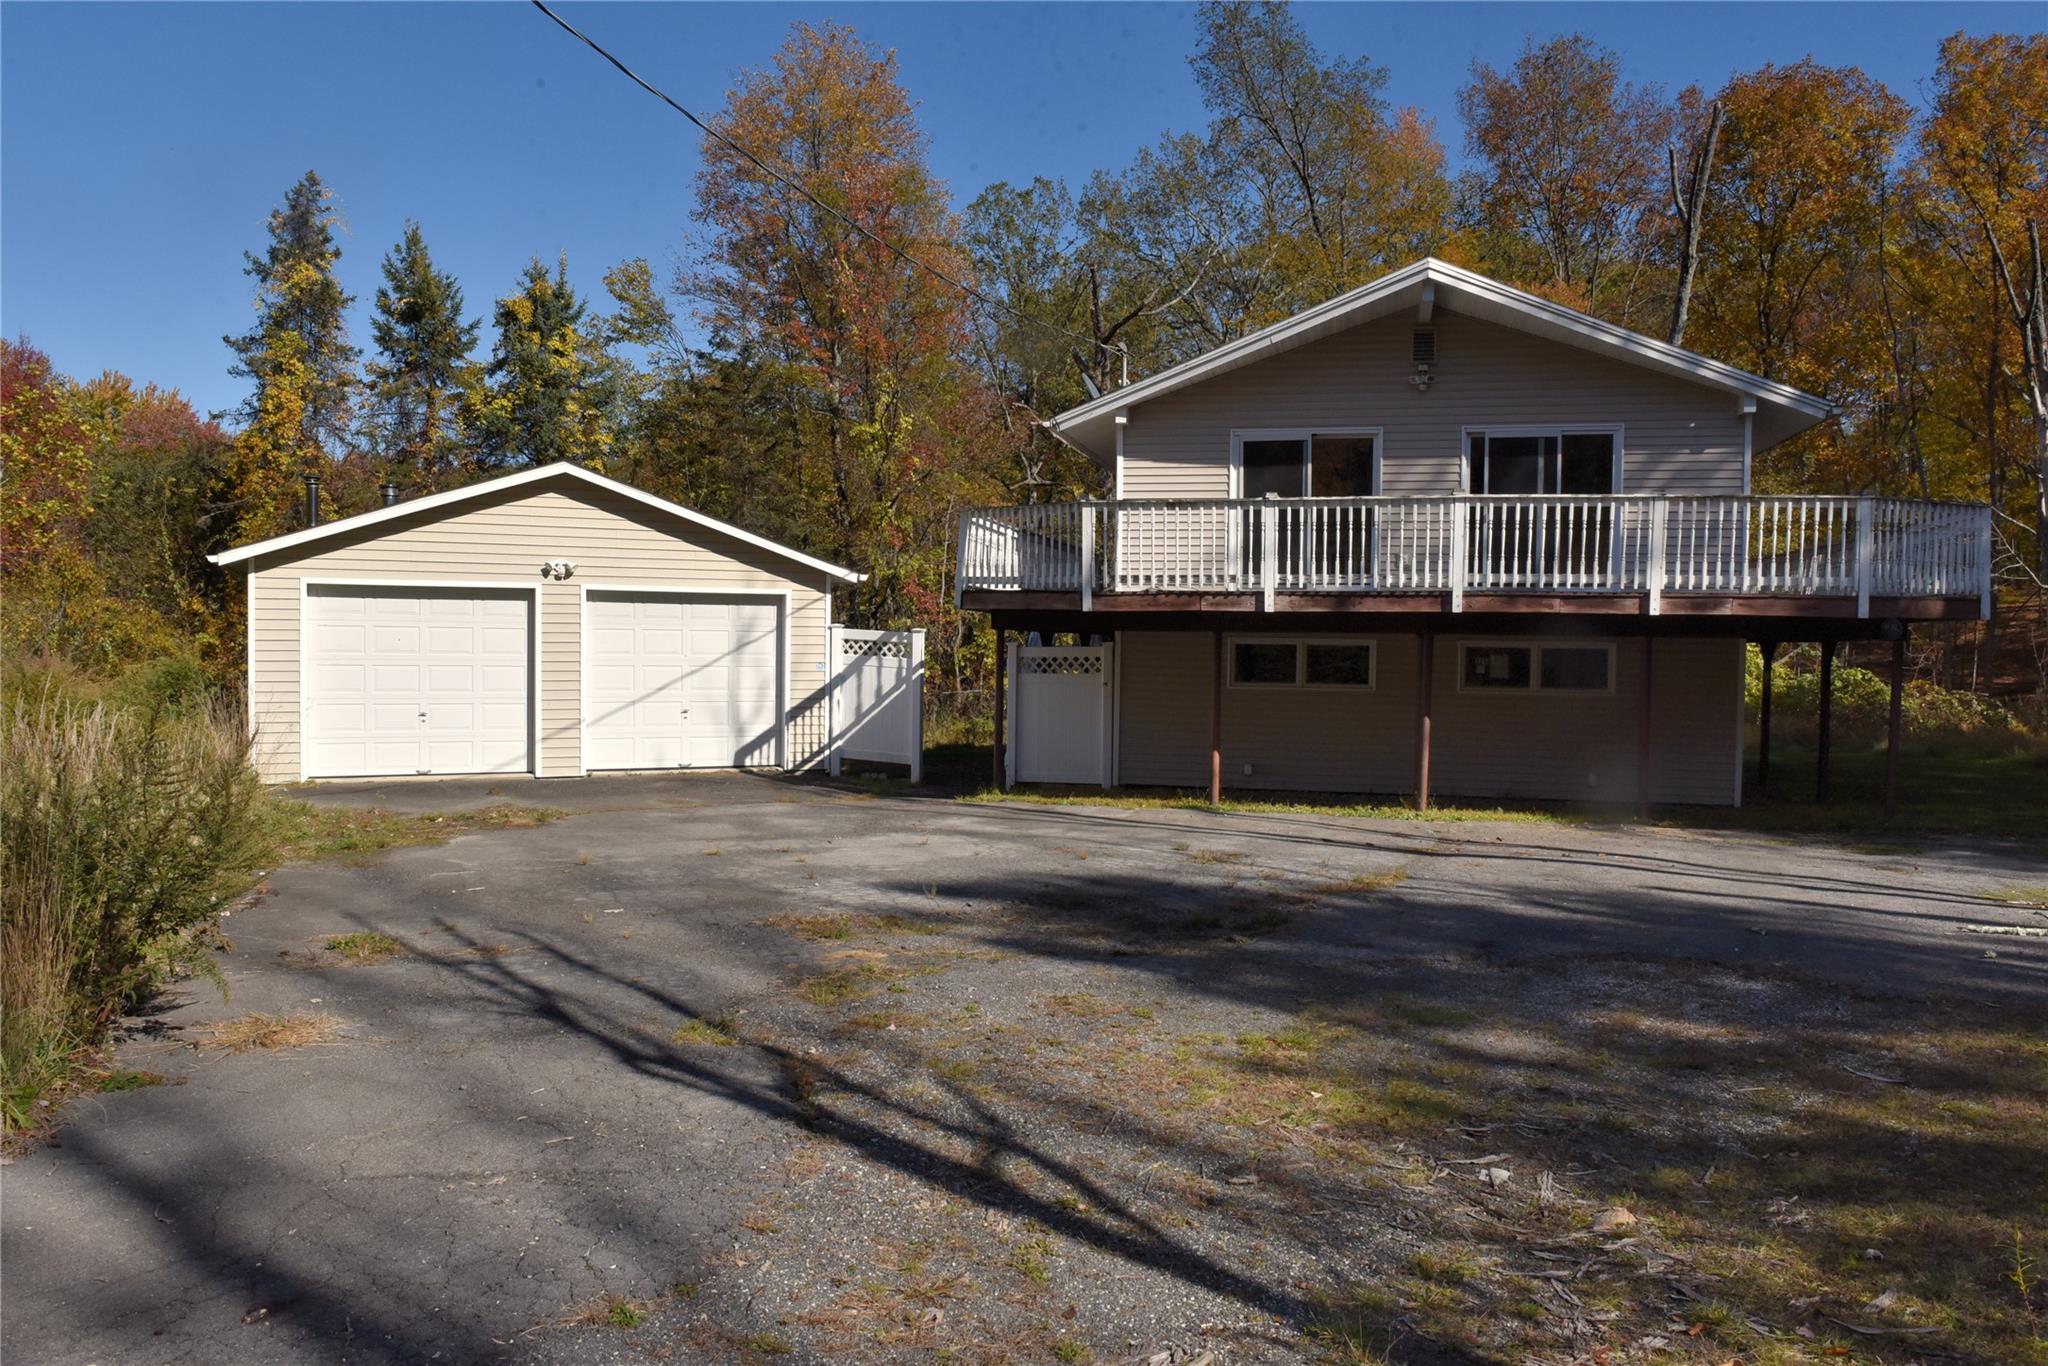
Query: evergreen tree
column 299, row 357
column 297, row 292
column 551, row 385
column 418, row 383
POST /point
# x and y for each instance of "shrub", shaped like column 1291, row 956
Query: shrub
column 122, row 832
column 1929, row 711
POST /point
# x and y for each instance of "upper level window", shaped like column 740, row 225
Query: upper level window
column 1310, row 663
column 1487, row 666
column 1544, row 460
column 1331, row 463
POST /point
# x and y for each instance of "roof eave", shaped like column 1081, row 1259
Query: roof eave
column 1288, row 333
column 308, row 535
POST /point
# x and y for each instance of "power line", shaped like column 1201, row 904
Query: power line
column 780, row 178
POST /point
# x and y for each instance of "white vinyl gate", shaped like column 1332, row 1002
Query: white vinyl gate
column 877, row 697
column 1061, row 713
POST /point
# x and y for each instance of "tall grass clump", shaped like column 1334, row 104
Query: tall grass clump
column 125, row 824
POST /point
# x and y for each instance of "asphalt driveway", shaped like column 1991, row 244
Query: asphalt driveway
column 507, row 1126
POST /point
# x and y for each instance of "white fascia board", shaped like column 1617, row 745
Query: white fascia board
column 1519, row 304
column 434, row 501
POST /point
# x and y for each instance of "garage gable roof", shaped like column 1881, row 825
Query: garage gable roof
column 1422, row 284
column 560, row 470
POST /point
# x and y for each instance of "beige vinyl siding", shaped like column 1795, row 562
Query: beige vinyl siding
column 1514, row 744
column 1311, row 739
column 1677, row 437
column 1534, row 745
column 612, row 541
column 274, row 674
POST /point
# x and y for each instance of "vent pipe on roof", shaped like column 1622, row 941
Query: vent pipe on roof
column 390, row 492
column 312, row 500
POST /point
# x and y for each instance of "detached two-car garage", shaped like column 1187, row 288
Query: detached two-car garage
column 552, row 622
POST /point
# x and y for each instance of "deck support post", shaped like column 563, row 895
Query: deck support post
column 1894, row 724
column 996, row 750
column 1643, row 730
column 1425, row 664
column 1216, row 721
column 1769, row 651
column 1827, row 720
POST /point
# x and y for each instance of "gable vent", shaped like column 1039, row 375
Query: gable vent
column 1422, row 352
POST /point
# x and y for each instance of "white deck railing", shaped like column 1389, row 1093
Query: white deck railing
column 1649, row 544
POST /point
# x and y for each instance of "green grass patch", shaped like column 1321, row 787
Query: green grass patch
column 300, row 831
column 1033, row 1259
column 1278, row 804
column 2035, row 898
column 834, row 927
column 714, row 1031
column 124, row 1080
column 1941, row 792
column 364, row 946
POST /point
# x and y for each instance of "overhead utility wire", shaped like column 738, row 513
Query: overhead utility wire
column 969, row 290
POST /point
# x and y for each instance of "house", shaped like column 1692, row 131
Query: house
column 1437, row 535
column 551, row 622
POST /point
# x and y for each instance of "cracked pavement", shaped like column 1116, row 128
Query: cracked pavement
column 500, row 1132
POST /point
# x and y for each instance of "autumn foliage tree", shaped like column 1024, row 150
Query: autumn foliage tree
column 1567, row 156
column 106, row 509
column 862, row 347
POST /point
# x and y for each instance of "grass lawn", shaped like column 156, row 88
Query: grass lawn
column 1940, row 793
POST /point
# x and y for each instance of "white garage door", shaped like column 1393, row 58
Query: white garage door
column 416, row 680
column 676, row 681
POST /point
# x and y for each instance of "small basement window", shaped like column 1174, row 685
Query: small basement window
column 1267, row 663
column 1499, row 667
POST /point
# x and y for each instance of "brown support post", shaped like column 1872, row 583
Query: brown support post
column 1643, row 732
column 1763, row 719
column 1893, row 725
column 1216, row 723
column 1827, row 719
column 1424, row 666
column 1002, row 668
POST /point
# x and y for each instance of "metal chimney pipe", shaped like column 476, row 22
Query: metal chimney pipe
column 390, row 492
column 312, row 500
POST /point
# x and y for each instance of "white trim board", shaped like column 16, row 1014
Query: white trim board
column 436, row 501
column 1462, row 291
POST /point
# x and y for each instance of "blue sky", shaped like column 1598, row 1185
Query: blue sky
column 141, row 146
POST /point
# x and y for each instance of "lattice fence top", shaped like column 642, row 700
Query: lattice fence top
column 1090, row 663
column 874, row 649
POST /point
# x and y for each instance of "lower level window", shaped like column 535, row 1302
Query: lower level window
column 1536, row 668
column 1301, row 663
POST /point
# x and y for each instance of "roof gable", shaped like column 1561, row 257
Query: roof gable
column 1423, row 285
column 452, row 499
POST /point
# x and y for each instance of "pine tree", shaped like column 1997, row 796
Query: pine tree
column 297, row 292
column 419, row 381
column 551, row 385
column 299, row 357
